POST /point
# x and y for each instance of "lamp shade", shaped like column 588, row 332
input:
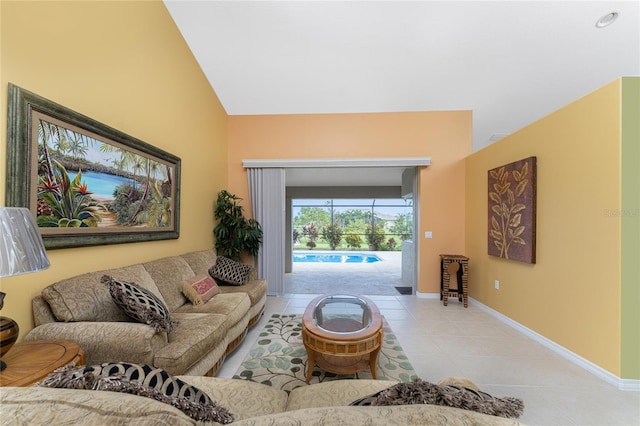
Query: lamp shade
column 21, row 247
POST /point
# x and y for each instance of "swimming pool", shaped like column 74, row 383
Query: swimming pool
column 336, row 257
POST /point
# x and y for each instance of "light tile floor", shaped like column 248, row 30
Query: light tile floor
column 453, row 341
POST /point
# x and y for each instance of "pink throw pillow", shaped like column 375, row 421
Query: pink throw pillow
column 200, row 289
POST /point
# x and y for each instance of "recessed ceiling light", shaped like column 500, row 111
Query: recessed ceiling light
column 607, row 20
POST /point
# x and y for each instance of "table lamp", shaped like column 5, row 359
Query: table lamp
column 21, row 252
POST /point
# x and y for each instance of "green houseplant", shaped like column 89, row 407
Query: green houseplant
column 234, row 233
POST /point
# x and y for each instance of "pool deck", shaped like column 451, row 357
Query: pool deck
column 377, row 278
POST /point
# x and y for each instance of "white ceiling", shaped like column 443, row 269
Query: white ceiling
column 510, row 62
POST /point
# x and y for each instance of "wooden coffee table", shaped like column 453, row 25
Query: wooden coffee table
column 342, row 334
column 29, row 362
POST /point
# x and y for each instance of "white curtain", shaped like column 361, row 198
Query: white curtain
column 267, row 193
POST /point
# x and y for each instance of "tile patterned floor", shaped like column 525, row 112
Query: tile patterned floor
column 453, row 341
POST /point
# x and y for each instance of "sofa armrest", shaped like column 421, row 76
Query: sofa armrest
column 35, row 405
column 106, row 341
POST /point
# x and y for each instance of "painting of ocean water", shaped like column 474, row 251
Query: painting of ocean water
column 102, row 185
column 85, row 182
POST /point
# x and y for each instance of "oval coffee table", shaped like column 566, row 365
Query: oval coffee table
column 342, row 334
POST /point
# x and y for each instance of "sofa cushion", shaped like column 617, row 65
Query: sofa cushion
column 140, row 304
column 234, row 306
column 82, row 298
column 229, row 271
column 42, row 312
column 255, row 289
column 423, row 392
column 143, row 380
column 168, row 273
column 243, row 398
column 334, row 393
column 85, row 298
column 197, row 335
column 200, row 261
column 200, row 289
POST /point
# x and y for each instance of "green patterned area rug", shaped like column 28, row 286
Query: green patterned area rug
column 279, row 358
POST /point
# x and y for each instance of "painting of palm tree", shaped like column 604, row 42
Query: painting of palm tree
column 512, row 211
column 84, row 182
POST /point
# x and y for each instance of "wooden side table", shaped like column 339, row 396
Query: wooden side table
column 29, row 362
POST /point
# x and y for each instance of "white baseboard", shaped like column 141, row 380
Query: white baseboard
column 428, row 295
column 622, row 384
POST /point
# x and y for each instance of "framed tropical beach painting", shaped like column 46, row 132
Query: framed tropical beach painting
column 85, row 182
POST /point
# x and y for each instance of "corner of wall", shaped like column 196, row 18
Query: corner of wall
column 630, row 217
column 578, row 148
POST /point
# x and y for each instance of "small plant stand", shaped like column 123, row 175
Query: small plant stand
column 453, row 265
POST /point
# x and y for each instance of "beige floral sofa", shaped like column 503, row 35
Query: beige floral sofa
column 250, row 403
column 82, row 309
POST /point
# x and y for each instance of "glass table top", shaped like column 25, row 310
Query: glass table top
column 342, row 314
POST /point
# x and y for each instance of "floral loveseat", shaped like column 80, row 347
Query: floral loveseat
column 81, row 309
column 250, row 404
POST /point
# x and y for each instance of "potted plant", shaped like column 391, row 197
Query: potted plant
column 234, row 233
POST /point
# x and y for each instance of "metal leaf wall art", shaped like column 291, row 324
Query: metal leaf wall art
column 512, row 211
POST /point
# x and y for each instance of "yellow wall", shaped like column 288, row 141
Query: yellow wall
column 630, row 217
column 572, row 294
column 126, row 65
column 444, row 136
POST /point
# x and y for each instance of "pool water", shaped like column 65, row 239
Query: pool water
column 336, row 258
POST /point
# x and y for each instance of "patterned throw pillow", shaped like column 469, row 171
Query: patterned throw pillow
column 200, row 289
column 143, row 380
column 229, row 271
column 140, row 304
column 422, row 392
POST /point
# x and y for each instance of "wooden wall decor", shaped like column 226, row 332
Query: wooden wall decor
column 512, row 211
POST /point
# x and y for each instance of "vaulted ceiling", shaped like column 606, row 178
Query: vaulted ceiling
column 510, row 62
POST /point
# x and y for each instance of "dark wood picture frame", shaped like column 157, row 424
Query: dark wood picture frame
column 57, row 158
column 512, row 211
